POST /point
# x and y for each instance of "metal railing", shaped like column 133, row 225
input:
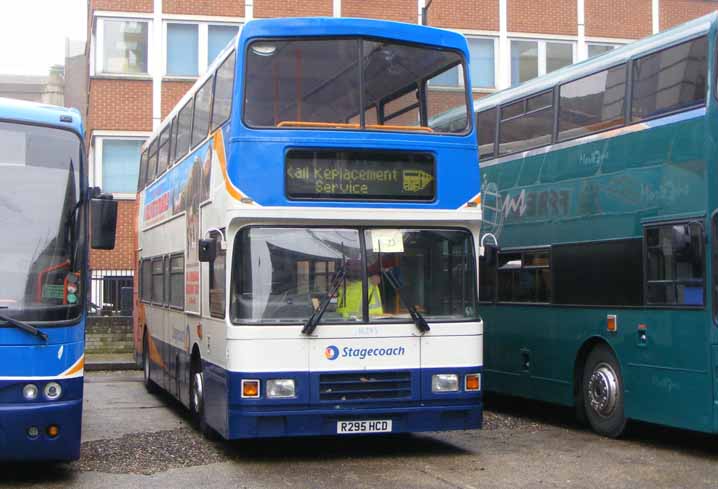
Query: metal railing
column 111, row 292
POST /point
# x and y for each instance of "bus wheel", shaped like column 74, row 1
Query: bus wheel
column 149, row 383
column 196, row 401
column 602, row 390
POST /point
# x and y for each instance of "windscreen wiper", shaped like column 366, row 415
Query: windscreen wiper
column 314, row 319
column 416, row 316
column 28, row 328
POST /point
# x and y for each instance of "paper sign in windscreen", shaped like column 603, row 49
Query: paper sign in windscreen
column 13, row 148
column 387, row 241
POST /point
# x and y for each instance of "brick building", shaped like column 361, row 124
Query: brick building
column 144, row 54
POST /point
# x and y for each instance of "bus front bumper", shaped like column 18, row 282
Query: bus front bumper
column 16, row 419
column 267, row 424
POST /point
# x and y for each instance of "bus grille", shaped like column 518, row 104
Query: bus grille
column 365, row 386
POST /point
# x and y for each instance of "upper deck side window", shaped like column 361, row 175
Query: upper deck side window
column 202, row 108
column 526, row 124
column 593, row 103
column 670, row 80
column 322, row 83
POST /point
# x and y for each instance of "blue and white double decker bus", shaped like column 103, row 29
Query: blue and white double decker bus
column 308, row 235
column 44, row 217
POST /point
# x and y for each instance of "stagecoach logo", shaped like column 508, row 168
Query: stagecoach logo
column 331, row 352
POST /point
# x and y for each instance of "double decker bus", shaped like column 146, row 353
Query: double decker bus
column 308, row 231
column 45, row 216
column 599, row 194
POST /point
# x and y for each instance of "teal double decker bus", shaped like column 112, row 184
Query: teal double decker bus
column 599, row 279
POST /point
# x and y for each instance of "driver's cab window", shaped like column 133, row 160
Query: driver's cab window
column 675, row 264
column 284, row 275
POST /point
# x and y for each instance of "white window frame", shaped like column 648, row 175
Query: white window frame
column 96, row 148
column 593, row 43
column 496, row 63
column 541, row 52
column 98, row 43
column 203, row 48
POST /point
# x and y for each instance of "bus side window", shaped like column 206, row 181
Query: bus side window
column 486, row 129
column 217, row 281
column 672, row 79
column 146, row 280
column 224, row 86
column 674, row 264
column 176, row 281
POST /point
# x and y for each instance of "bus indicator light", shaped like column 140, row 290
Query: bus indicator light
column 250, row 389
column 611, row 323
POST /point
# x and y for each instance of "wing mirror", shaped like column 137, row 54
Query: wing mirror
column 103, row 221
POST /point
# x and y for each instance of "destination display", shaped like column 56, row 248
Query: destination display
column 360, row 175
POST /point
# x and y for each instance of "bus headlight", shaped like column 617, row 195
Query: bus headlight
column 53, row 391
column 280, row 388
column 444, row 383
column 30, row 392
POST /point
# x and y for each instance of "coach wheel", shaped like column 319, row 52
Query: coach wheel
column 149, row 383
column 197, row 401
column 603, row 393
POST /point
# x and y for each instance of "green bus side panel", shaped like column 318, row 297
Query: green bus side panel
column 606, row 189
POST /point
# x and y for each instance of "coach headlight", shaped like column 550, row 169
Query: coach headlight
column 280, row 388
column 53, row 391
column 444, row 383
column 30, row 392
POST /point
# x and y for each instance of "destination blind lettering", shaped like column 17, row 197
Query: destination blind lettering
column 359, row 175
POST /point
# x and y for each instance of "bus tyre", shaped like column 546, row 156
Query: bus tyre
column 602, row 389
column 149, row 383
column 196, row 402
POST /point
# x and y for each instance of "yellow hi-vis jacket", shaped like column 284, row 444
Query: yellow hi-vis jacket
column 350, row 304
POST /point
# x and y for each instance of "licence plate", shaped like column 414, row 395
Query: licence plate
column 364, row 426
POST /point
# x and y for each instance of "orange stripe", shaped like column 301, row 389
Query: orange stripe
column 218, row 141
column 154, row 352
column 79, row 365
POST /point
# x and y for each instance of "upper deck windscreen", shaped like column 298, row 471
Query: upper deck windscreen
column 322, row 83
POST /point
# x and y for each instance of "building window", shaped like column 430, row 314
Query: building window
column 481, row 52
column 182, row 49
column 598, row 49
column 124, row 47
column 119, row 165
column 530, row 59
column 482, row 62
column 192, row 47
column 218, row 36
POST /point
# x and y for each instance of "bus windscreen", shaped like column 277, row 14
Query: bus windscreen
column 322, row 83
column 39, row 218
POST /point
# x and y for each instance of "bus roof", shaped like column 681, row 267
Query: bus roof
column 321, row 26
column 37, row 113
column 675, row 35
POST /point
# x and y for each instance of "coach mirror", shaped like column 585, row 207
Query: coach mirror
column 103, row 220
column 207, row 250
column 488, row 252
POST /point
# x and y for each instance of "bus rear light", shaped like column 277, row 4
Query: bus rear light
column 250, row 389
column 33, row 432
column 611, row 323
column 472, row 382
